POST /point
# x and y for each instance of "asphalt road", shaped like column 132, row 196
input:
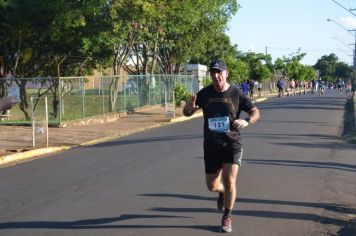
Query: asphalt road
column 298, row 178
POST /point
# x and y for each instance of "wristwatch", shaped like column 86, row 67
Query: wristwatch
column 248, row 119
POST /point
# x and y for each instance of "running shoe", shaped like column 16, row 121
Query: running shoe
column 220, row 202
column 226, row 226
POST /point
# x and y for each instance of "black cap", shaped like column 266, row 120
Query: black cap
column 218, row 65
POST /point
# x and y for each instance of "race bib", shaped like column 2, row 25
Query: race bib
column 219, row 124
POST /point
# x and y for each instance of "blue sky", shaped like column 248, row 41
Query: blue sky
column 283, row 26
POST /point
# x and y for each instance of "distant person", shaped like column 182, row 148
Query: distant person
column 348, row 89
column 311, row 85
column 259, row 88
column 281, row 85
column 339, row 85
column 292, row 87
column 222, row 105
column 315, row 86
column 306, row 87
column 251, row 87
column 244, row 87
column 321, row 86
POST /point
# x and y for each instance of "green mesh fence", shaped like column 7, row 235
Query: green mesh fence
column 72, row 98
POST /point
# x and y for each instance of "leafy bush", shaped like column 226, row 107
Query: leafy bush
column 206, row 81
column 181, row 94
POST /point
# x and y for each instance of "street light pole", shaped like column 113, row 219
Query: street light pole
column 340, row 25
column 354, row 35
column 350, row 11
column 354, row 50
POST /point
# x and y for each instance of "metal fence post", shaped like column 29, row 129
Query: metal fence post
column 33, row 123
column 46, row 117
column 83, row 97
column 60, row 82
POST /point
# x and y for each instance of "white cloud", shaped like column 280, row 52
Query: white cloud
column 349, row 22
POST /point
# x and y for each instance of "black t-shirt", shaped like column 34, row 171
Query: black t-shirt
column 226, row 104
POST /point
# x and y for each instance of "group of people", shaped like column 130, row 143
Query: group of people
column 291, row 89
column 248, row 87
column 345, row 85
column 318, row 86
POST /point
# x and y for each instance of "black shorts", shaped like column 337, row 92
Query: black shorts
column 214, row 157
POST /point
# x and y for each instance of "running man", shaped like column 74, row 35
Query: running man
column 280, row 86
column 292, row 87
column 222, row 105
column 348, row 89
column 339, row 85
column 321, row 86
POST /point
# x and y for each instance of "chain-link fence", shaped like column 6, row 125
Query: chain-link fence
column 72, row 98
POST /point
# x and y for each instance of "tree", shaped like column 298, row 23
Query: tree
column 280, row 66
column 291, row 67
column 192, row 18
column 259, row 64
column 242, row 72
column 326, row 65
column 45, row 38
column 17, row 47
column 342, row 70
column 331, row 69
column 307, row 73
column 54, row 38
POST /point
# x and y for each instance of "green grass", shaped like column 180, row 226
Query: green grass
column 76, row 106
column 353, row 133
column 349, row 132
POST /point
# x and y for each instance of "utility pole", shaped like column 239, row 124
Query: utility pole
column 266, row 51
column 350, row 11
column 353, row 35
column 354, row 64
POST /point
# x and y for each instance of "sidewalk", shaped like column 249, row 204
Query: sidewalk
column 16, row 141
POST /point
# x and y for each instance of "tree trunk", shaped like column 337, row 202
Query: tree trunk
column 114, row 84
column 154, row 60
column 23, row 97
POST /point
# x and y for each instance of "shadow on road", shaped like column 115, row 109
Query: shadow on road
column 346, row 228
column 103, row 223
column 270, row 136
column 323, row 145
column 114, row 222
column 308, row 164
column 148, row 140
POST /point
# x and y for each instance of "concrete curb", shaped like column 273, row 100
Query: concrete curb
column 29, row 154
column 8, row 159
column 12, row 158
